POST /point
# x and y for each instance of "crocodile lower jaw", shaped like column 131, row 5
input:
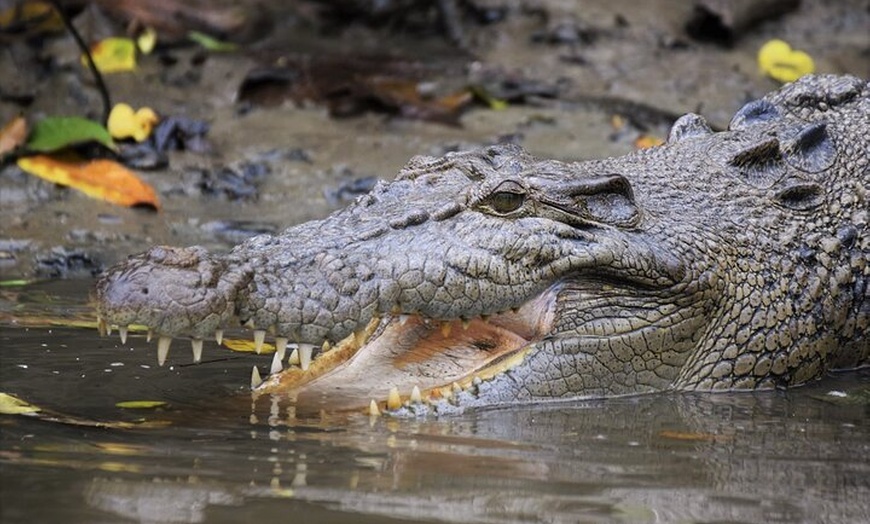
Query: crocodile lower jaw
column 403, row 359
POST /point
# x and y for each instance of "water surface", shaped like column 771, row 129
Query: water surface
column 796, row 456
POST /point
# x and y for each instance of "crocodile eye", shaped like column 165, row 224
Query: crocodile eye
column 506, row 201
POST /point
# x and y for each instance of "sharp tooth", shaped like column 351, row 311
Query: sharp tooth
column 280, row 347
column 403, row 319
column 373, row 409
column 305, row 351
column 219, row 336
column 148, row 336
column 485, row 318
column 445, row 329
column 395, row 309
column 109, row 329
column 196, row 345
column 416, row 397
column 394, row 401
column 101, row 326
column 249, row 324
column 259, row 337
column 293, row 360
column 255, row 378
column 465, row 323
column 276, row 364
column 123, row 332
column 326, row 346
column 163, row 349
column 456, row 387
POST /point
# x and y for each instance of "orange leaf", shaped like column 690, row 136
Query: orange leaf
column 102, row 179
column 13, row 134
column 647, row 141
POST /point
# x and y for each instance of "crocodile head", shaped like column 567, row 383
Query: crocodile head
column 491, row 276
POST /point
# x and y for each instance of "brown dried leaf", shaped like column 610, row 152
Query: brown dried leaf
column 13, row 134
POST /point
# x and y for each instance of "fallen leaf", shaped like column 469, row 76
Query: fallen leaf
column 140, row 404
column 54, row 133
column 13, row 134
column 779, row 61
column 11, row 405
column 101, row 179
column 113, row 55
column 647, row 141
column 147, row 40
column 246, row 346
column 126, row 123
column 30, row 18
column 211, row 43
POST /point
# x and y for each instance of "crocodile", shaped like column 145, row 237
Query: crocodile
column 726, row 260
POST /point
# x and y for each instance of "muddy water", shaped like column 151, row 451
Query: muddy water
column 796, row 456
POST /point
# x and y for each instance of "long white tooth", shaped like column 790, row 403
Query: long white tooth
column 416, row 396
column 373, row 409
column 196, row 344
column 163, row 349
column 305, row 351
column 280, row 347
column 109, row 329
column 255, row 378
column 219, row 336
column 259, row 337
column 276, row 364
column 123, row 332
column 148, row 336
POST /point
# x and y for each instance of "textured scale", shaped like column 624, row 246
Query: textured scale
column 730, row 260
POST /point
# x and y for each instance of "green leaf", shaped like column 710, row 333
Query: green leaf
column 11, row 405
column 211, row 43
column 54, row 133
column 141, row 404
column 14, row 283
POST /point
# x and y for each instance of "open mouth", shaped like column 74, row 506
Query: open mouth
column 402, row 359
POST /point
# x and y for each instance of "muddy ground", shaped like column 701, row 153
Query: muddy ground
column 577, row 69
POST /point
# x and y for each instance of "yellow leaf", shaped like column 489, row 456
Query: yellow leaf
column 246, row 346
column 779, row 61
column 125, row 123
column 147, row 40
column 140, row 404
column 10, row 405
column 13, row 134
column 113, row 55
column 102, row 179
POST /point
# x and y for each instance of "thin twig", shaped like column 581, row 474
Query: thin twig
column 98, row 78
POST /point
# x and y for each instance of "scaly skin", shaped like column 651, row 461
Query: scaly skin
column 732, row 260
